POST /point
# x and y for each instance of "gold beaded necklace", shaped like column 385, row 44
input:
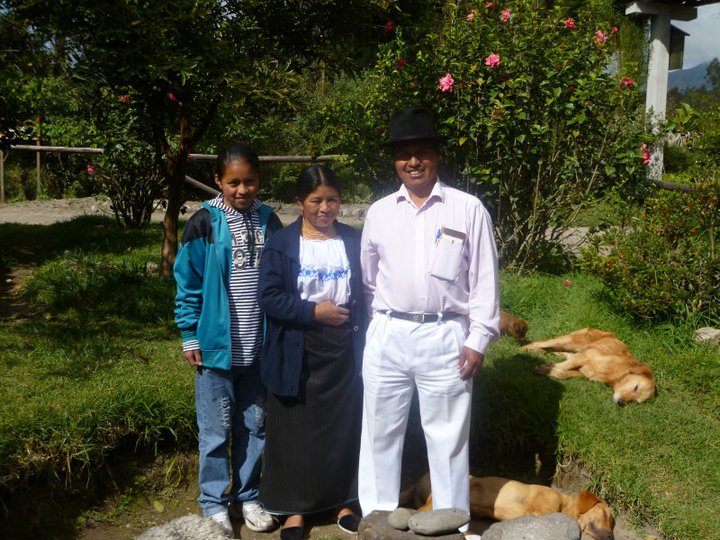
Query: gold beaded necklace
column 311, row 233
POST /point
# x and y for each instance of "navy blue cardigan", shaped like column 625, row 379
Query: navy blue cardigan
column 288, row 316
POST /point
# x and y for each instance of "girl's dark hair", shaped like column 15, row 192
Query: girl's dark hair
column 314, row 176
column 236, row 151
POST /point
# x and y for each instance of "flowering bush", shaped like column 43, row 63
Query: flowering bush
column 129, row 172
column 536, row 123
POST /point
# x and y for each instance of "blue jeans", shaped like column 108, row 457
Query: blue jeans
column 230, row 408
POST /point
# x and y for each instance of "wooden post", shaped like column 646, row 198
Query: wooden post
column 37, row 168
column 2, row 177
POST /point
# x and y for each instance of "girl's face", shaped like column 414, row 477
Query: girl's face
column 239, row 184
column 321, row 207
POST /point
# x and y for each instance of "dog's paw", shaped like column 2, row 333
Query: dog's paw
column 544, row 369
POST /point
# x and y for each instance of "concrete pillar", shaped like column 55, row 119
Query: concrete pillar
column 657, row 83
column 660, row 15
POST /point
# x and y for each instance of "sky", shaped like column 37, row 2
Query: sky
column 702, row 45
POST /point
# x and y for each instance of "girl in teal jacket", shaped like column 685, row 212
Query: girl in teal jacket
column 217, row 312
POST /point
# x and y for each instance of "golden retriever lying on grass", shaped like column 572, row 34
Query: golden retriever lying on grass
column 492, row 497
column 599, row 356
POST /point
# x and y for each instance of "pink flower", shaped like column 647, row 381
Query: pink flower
column 400, row 64
column 645, row 160
column 124, row 99
column 171, row 96
column 471, row 15
column 446, row 83
column 493, row 60
column 89, row 168
column 614, row 29
column 505, row 15
column 569, row 23
column 567, row 283
column 601, row 37
column 626, row 82
column 490, row 5
column 389, row 26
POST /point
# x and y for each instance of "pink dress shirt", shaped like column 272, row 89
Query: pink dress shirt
column 397, row 251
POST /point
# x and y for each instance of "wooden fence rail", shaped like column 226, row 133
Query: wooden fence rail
column 662, row 184
column 38, row 149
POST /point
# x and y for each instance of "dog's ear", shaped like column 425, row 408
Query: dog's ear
column 520, row 328
column 641, row 369
column 586, row 501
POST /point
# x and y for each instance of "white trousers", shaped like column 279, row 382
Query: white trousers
column 399, row 356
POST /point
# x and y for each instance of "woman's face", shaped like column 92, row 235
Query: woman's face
column 321, row 207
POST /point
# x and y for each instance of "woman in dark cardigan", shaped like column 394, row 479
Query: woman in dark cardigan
column 311, row 292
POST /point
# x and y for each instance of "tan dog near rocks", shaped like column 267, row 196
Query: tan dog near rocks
column 493, row 497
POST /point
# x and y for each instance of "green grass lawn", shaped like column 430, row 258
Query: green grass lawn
column 97, row 366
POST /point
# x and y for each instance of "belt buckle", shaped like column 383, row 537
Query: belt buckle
column 417, row 317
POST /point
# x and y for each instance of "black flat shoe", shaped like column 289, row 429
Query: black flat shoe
column 349, row 523
column 292, row 533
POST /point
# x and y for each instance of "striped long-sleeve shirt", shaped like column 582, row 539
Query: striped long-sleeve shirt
column 246, row 330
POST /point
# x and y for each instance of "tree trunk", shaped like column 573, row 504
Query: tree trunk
column 175, row 169
column 175, row 200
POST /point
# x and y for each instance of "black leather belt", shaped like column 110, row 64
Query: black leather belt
column 420, row 317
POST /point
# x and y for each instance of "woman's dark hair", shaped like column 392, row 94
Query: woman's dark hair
column 314, row 176
column 236, row 151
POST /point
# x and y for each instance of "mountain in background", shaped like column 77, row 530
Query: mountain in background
column 683, row 79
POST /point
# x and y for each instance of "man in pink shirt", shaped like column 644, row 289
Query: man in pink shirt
column 430, row 273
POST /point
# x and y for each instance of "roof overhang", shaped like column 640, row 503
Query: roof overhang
column 673, row 10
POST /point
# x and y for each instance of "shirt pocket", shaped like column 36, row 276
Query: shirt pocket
column 448, row 257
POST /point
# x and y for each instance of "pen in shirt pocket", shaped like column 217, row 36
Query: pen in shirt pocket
column 438, row 234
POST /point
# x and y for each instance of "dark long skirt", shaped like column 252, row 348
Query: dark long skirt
column 312, row 442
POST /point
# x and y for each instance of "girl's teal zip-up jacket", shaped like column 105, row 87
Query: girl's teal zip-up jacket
column 202, row 274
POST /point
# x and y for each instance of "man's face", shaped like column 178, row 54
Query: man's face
column 416, row 163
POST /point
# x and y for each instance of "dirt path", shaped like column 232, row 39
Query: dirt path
column 183, row 500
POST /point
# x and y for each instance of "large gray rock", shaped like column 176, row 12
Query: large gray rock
column 555, row 526
column 190, row 527
column 375, row 526
column 442, row 521
column 708, row 335
column 398, row 518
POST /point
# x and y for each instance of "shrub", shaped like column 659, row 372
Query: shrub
column 665, row 265
column 129, row 173
column 535, row 120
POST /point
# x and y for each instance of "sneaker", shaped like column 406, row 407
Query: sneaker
column 223, row 519
column 256, row 518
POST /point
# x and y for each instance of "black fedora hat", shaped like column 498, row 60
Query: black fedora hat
column 412, row 124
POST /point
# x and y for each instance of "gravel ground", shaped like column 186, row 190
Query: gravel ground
column 46, row 212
